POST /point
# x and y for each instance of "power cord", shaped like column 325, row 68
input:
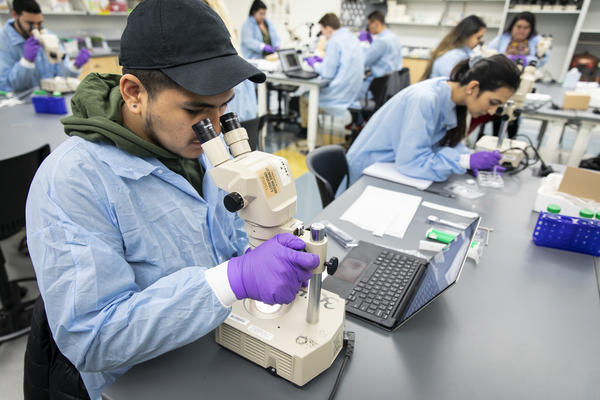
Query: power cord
column 349, row 339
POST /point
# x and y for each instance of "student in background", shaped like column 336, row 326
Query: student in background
column 23, row 62
column 259, row 37
column 520, row 40
column 384, row 54
column 343, row 65
column 422, row 127
column 456, row 46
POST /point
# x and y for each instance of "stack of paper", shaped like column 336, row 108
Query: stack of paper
column 389, row 172
column 383, row 211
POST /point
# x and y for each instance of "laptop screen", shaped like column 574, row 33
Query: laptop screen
column 289, row 60
column 443, row 271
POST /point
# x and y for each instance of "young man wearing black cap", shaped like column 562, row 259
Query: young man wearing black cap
column 134, row 251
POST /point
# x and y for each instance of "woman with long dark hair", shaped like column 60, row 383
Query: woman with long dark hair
column 456, row 46
column 520, row 40
column 259, row 37
column 421, row 128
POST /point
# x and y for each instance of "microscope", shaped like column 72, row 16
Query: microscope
column 510, row 112
column 299, row 340
column 50, row 44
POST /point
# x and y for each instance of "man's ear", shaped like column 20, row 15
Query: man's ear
column 14, row 14
column 133, row 92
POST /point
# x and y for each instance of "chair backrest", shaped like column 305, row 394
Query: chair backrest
column 329, row 165
column 16, row 175
column 253, row 128
column 384, row 89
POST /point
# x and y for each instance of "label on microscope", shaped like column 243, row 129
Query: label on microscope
column 239, row 319
column 269, row 181
column 261, row 332
column 282, row 166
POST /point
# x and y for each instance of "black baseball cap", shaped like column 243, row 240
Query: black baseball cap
column 188, row 42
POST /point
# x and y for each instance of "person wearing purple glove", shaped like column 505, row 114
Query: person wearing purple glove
column 22, row 63
column 82, row 58
column 312, row 60
column 485, row 160
column 273, row 272
column 422, row 128
column 259, row 37
column 365, row 36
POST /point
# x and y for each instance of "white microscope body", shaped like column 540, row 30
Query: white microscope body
column 50, row 44
column 296, row 341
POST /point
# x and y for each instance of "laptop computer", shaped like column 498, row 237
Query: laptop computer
column 292, row 66
column 387, row 287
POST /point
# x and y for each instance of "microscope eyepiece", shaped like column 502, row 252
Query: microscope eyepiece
column 204, row 130
column 230, row 121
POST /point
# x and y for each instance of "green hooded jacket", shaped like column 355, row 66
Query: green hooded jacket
column 97, row 117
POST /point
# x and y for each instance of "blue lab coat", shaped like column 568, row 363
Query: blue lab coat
column 252, row 39
column 442, row 66
column 120, row 246
column 501, row 42
column 15, row 77
column 244, row 103
column 383, row 56
column 343, row 63
column 407, row 130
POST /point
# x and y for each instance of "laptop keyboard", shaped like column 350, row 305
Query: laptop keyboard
column 379, row 294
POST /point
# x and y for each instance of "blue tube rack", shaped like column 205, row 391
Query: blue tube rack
column 581, row 235
column 44, row 104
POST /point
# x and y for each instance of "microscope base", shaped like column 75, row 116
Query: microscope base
column 282, row 340
column 513, row 157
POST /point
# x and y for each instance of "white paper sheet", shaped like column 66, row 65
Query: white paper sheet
column 383, row 211
column 389, row 172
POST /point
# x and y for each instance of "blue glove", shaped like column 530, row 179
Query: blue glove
column 485, row 160
column 365, row 36
column 273, row 272
column 268, row 49
column 82, row 57
column 313, row 60
column 32, row 46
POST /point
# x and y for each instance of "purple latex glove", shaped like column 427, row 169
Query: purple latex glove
column 272, row 272
column 313, row 60
column 82, row 57
column 485, row 160
column 32, row 46
column 268, row 49
column 365, row 36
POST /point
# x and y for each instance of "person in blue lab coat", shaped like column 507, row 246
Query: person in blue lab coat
column 134, row 252
column 23, row 63
column 520, row 40
column 384, row 53
column 259, row 37
column 343, row 64
column 421, row 128
column 457, row 45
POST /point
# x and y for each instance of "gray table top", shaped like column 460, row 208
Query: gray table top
column 557, row 93
column 23, row 130
column 281, row 77
column 523, row 323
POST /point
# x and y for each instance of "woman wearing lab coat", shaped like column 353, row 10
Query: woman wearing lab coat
column 421, row 128
column 456, row 46
column 520, row 40
column 259, row 37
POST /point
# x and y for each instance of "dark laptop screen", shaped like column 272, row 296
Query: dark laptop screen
column 289, row 60
column 443, row 271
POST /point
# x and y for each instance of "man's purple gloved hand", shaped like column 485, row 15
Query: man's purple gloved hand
column 485, row 160
column 272, row 272
column 32, row 46
column 268, row 49
column 365, row 36
column 82, row 57
column 313, row 60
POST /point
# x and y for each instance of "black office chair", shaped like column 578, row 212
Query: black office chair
column 329, row 165
column 16, row 175
column 382, row 89
column 253, row 128
column 284, row 113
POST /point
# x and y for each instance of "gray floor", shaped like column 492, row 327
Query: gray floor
column 309, row 205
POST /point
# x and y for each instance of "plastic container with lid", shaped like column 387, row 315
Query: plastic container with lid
column 43, row 103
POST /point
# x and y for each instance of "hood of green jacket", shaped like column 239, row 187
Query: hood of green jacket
column 97, row 116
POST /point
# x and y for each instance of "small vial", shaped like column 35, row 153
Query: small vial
column 553, row 208
column 586, row 213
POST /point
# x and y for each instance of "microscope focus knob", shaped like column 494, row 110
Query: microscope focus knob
column 331, row 265
column 233, row 202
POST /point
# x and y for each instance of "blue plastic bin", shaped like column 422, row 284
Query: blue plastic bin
column 49, row 104
column 581, row 235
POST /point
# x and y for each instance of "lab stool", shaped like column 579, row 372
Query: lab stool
column 284, row 114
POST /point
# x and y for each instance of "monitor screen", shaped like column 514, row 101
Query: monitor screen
column 289, row 60
column 443, row 271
